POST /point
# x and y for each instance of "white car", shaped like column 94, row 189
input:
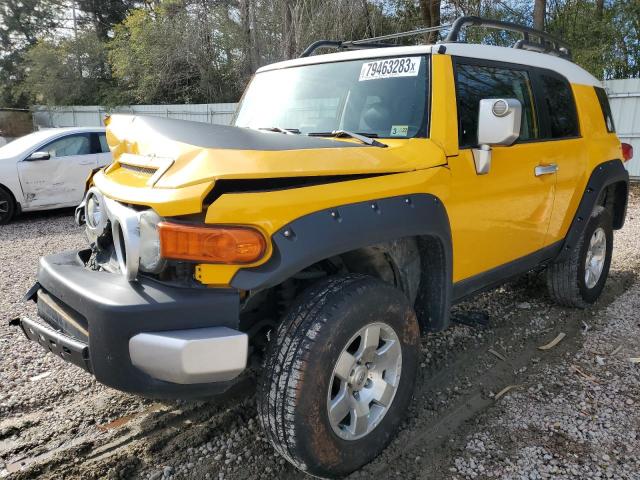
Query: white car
column 48, row 169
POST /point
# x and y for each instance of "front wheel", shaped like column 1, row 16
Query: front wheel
column 339, row 375
column 7, row 206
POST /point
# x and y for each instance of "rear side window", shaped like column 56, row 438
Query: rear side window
column 557, row 94
column 606, row 109
column 477, row 82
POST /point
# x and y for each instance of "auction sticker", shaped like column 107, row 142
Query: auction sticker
column 399, row 130
column 390, row 68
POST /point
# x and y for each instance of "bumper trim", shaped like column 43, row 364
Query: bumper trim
column 65, row 347
column 199, row 355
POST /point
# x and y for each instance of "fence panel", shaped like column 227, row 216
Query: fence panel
column 93, row 115
column 624, row 96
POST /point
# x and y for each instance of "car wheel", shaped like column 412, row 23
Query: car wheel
column 579, row 280
column 7, row 206
column 339, row 375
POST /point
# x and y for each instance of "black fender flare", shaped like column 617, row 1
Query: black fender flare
column 334, row 231
column 601, row 177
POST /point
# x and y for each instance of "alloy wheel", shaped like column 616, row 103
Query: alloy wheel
column 364, row 381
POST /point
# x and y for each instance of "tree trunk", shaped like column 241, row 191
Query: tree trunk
column 288, row 34
column 430, row 13
column 599, row 9
column 250, row 50
column 539, row 13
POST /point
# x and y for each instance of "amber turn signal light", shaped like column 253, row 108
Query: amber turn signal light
column 210, row 244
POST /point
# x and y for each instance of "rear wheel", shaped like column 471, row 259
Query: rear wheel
column 7, row 206
column 339, row 375
column 579, row 280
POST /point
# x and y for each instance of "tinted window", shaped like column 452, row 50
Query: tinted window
column 70, row 145
column 563, row 121
column 606, row 109
column 477, row 82
column 104, row 146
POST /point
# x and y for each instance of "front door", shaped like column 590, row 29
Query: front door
column 60, row 180
column 504, row 215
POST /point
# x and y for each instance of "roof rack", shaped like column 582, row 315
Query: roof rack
column 545, row 43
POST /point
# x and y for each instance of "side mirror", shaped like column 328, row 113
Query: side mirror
column 498, row 124
column 35, row 156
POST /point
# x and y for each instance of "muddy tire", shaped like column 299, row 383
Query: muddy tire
column 579, row 280
column 7, row 206
column 339, row 375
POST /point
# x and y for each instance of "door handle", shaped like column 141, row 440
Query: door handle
column 87, row 163
column 545, row 169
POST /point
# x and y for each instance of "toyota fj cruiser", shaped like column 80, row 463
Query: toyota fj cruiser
column 357, row 196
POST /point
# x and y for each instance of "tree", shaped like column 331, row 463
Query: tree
column 104, row 14
column 21, row 23
column 71, row 71
column 539, row 13
column 430, row 10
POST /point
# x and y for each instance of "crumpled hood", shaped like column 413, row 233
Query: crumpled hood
column 200, row 152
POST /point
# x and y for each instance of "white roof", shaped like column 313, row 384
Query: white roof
column 570, row 70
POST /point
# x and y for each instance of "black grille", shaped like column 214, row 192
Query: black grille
column 135, row 168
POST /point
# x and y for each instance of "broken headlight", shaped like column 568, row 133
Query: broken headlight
column 150, row 259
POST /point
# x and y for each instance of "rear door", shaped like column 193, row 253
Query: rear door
column 60, row 180
column 504, row 215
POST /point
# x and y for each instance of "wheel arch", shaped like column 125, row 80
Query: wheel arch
column 13, row 196
column 361, row 234
column 608, row 185
column 614, row 198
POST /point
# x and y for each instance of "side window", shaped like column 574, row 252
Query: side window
column 477, row 82
column 70, row 145
column 104, row 146
column 606, row 109
column 563, row 120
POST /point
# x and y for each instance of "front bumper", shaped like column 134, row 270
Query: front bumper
column 143, row 337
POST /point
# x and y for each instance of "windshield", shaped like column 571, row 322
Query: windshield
column 384, row 98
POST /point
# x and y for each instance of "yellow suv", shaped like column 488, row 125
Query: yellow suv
column 357, row 196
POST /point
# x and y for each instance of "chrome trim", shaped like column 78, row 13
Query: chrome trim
column 123, row 220
column 545, row 169
column 503, row 129
column 482, row 159
column 200, row 355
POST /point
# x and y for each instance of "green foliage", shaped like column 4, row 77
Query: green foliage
column 607, row 43
column 70, row 71
column 176, row 54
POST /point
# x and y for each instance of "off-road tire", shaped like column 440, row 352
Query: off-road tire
column 566, row 280
column 5, row 196
column 293, row 388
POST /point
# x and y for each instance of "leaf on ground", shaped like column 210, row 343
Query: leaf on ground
column 40, row 376
column 553, row 342
column 504, row 391
column 497, row 355
column 586, row 376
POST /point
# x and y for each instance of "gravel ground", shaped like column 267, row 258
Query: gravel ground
column 572, row 411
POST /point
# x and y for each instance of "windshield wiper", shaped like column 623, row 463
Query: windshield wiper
column 364, row 138
column 288, row 131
